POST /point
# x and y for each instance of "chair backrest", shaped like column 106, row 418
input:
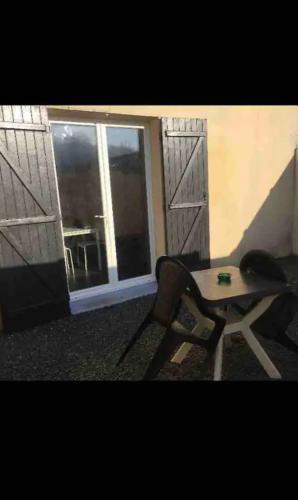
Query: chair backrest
column 263, row 263
column 173, row 279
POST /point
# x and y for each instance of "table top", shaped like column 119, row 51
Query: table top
column 77, row 231
column 243, row 286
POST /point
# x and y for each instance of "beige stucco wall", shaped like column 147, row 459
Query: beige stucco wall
column 251, row 173
column 295, row 212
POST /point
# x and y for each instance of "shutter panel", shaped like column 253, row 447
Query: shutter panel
column 33, row 283
column 184, row 148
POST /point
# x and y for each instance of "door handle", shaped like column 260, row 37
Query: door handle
column 99, row 216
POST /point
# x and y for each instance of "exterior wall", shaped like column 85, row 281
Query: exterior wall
column 251, row 173
column 295, row 214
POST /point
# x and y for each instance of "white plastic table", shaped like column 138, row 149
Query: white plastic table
column 79, row 231
column 243, row 286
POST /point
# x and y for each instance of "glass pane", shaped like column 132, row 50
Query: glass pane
column 128, row 185
column 75, row 148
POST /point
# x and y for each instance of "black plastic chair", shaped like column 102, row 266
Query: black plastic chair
column 263, row 263
column 174, row 280
column 275, row 321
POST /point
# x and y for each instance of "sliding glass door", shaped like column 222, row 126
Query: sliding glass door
column 79, row 184
column 103, row 188
column 129, row 198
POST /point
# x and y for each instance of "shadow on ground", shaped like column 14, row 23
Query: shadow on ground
column 87, row 346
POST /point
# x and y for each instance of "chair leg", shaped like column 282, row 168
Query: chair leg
column 135, row 337
column 71, row 262
column 164, row 352
column 85, row 259
column 66, row 261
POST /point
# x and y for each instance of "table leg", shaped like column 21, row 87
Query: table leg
column 200, row 326
column 259, row 309
column 218, row 359
column 259, row 352
column 221, row 312
column 243, row 326
column 240, row 325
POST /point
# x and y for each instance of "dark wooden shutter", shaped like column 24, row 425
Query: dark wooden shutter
column 33, row 284
column 184, row 146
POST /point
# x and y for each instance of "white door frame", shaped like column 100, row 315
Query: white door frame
column 104, row 174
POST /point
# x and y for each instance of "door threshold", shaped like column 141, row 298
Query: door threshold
column 110, row 298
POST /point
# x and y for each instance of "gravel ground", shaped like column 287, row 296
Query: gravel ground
column 87, row 346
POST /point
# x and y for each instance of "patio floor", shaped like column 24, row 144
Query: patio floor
column 87, row 346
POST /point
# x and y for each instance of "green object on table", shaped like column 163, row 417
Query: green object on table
column 224, row 277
